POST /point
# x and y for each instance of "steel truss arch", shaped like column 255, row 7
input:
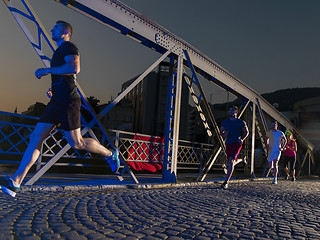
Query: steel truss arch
column 127, row 21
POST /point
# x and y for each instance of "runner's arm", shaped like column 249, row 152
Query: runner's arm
column 283, row 143
column 223, row 132
column 267, row 143
column 245, row 133
column 72, row 66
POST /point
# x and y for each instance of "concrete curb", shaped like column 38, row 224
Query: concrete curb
column 42, row 188
column 143, row 186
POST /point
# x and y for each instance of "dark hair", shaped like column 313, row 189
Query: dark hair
column 234, row 107
column 66, row 26
column 274, row 121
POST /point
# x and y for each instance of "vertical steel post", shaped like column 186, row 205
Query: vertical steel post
column 169, row 119
column 309, row 163
column 176, row 122
column 169, row 172
column 253, row 138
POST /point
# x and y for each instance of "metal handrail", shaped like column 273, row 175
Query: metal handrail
column 189, row 152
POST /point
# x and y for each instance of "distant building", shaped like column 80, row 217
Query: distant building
column 120, row 117
column 149, row 98
column 35, row 110
column 306, row 116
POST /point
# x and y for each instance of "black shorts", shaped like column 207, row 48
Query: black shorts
column 66, row 113
column 292, row 160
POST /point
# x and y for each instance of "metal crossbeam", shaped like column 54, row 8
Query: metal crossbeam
column 206, row 116
column 205, row 112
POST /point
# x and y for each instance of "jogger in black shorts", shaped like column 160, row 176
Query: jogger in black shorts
column 63, row 108
column 290, row 156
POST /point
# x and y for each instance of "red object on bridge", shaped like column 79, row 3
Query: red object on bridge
column 148, row 153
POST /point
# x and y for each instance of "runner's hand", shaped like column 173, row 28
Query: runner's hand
column 49, row 93
column 41, row 72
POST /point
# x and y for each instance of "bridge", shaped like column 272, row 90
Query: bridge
column 187, row 64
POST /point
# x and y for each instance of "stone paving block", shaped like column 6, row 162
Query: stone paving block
column 257, row 231
column 4, row 236
column 247, row 233
column 29, row 237
column 50, row 236
column 197, row 228
column 6, row 232
column 177, row 228
column 136, row 234
column 211, row 234
column 160, row 235
column 222, row 228
column 115, row 236
column 174, row 238
column 102, row 231
column 21, row 227
column 261, row 238
column 231, row 235
column 245, row 237
column 152, row 238
column 157, row 229
column 125, row 231
column 299, row 231
column 40, row 229
column 72, row 235
column 295, row 237
column 202, row 238
column 314, row 235
column 172, row 233
column 312, row 232
column 183, row 225
column 267, row 233
column 132, row 238
column 60, row 228
column 95, row 235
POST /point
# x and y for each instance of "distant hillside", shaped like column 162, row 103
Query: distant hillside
column 285, row 98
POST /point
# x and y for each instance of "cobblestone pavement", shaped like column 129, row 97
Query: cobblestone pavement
column 247, row 210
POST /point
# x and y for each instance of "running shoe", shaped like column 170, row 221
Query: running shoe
column 293, row 179
column 287, row 177
column 244, row 160
column 225, row 185
column 113, row 161
column 274, row 181
column 8, row 187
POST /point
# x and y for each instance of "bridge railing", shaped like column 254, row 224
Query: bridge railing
column 16, row 129
column 15, row 135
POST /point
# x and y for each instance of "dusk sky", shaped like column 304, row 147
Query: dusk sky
column 267, row 44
